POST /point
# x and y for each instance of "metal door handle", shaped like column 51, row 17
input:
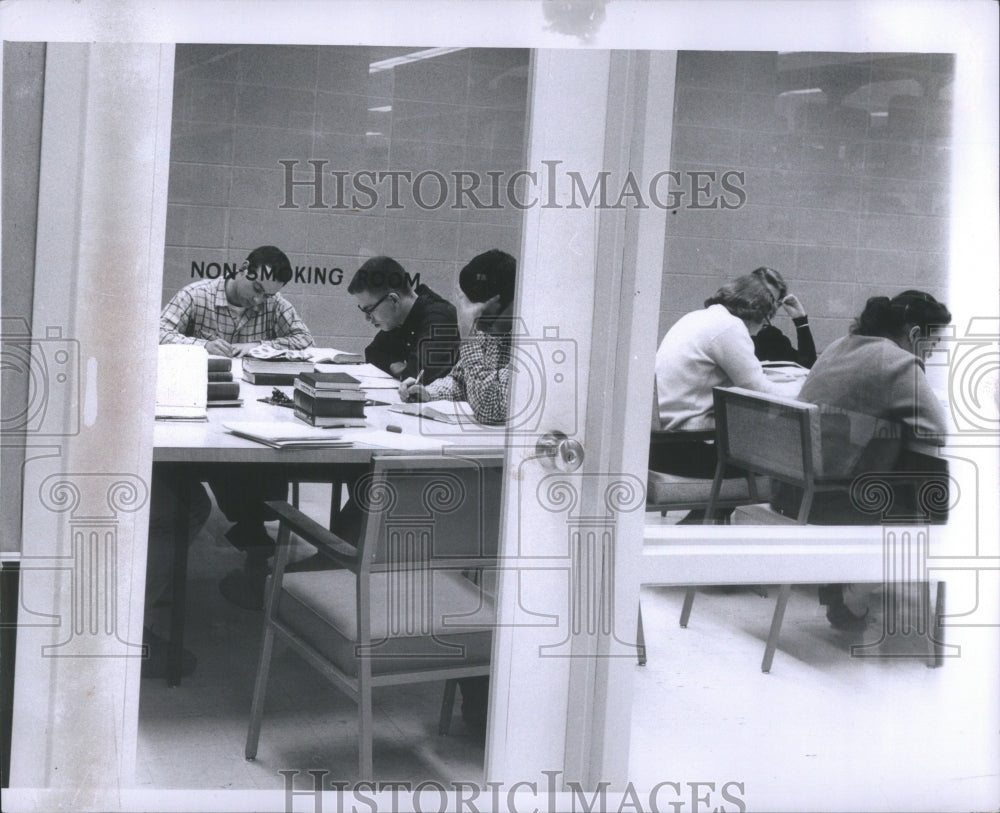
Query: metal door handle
column 558, row 452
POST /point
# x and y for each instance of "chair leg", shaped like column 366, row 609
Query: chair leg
column 295, row 494
column 772, row 637
column 447, row 707
column 934, row 626
column 259, row 691
column 640, row 640
column 688, row 601
column 365, row 732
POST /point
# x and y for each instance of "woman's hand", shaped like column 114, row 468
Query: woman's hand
column 469, row 313
column 793, row 307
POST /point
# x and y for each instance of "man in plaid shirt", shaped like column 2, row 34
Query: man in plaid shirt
column 230, row 316
column 482, row 374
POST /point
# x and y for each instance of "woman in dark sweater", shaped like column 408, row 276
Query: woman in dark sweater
column 770, row 344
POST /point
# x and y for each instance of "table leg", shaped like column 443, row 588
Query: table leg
column 336, row 487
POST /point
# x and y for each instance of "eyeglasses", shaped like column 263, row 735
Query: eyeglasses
column 260, row 290
column 371, row 308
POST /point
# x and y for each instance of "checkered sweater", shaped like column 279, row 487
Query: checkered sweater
column 200, row 312
column 481, row 377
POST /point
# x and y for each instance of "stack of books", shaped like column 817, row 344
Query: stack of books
column 329, row 399
column 222, row 389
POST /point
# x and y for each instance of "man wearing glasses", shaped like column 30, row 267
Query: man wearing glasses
column 418, row 329
column 230, row 316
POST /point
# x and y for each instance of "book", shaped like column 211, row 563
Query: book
column 286, row 435
column 329, row 381
column 341, row 395
column 225, row 402
column 277, row 365
column 369, row 376
column 455, row 412
column 223, row 390
column 274, row 370
column 219, row 364
column 328, row 407
column 330, row 355
column 214, row 375
column 328, row 421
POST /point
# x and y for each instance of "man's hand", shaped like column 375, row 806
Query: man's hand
column 243, row 348
column 397, row 367
column 469, row 313
column 219, row 347
column 793, row 307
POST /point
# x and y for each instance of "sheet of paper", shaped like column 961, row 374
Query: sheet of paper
column 395, row 440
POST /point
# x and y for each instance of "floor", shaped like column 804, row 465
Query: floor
column 825, row 730
column 193, row 736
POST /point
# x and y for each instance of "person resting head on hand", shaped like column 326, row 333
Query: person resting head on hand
column 769, row 343
column 484, row 303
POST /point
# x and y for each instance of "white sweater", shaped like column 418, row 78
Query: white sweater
column 704, row 349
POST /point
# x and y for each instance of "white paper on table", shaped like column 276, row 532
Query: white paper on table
column 396, row 440
column 356, row 370
column 278, row 431
column 331, row 355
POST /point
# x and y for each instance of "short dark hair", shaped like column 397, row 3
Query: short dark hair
column 890, row 318
column 380, row 275
column 771, row 277
column 746, row 297
column 270, row 257
column 492, row 273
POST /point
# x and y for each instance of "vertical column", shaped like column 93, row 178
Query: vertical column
column 100, row 236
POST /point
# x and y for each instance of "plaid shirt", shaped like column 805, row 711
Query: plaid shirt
column 200, row 312
column 481, row 377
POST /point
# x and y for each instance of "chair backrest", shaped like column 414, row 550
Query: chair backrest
column 430, row 511
column 768, row 434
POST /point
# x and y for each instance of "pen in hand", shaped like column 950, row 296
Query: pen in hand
column 405, row 386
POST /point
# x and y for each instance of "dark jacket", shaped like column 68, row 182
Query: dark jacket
column 427, row 340
column 770, row 344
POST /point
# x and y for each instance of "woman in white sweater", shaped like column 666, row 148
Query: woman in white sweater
column 712, row 347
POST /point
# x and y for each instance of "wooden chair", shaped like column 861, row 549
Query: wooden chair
column 400, row 607
column 775, row 437
column 673, row 492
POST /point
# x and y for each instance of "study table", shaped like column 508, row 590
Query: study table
column 192, row 451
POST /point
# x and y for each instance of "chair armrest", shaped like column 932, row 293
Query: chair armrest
column 327, row 542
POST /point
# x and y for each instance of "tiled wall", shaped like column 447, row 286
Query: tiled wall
column 239, row 110
column 847, row 178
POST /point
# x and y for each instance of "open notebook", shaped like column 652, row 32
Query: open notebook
column 282, row 435
column 457, row 412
